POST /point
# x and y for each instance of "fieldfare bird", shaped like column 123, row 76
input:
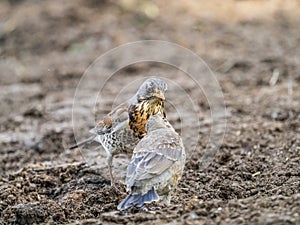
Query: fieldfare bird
column 156, row 165
column 122, row 128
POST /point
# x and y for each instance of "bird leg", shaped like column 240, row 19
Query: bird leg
column 112, row 180
column 109, row 163
column 166, row 199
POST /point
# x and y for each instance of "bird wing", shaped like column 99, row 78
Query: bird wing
column 113, row 121
column 148, row 163
column 84, row 142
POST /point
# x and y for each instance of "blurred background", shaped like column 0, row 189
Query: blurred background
column 253, row 47
column 45, row 46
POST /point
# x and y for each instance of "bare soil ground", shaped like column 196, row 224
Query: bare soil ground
column 253, row 47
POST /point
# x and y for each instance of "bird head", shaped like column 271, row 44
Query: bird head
column 153, row 89
column 156, row 122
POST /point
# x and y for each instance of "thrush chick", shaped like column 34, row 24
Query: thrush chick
column 156, row 166
column 122, row 128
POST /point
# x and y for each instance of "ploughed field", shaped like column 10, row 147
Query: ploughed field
column 45, row 47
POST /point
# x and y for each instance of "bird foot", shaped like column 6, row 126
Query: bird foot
column 117, row 188
column 150, row 209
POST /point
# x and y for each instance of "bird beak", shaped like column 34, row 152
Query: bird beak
column 160, row 95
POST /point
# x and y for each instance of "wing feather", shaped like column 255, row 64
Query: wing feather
column 153, row 162
column 116, row 120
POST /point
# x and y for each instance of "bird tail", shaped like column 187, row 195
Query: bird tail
column 85, row 142
column 139, row 200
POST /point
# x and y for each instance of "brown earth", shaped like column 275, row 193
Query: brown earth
column 253, row 47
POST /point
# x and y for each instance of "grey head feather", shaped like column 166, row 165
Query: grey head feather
column 151, row 88
column 156, row 122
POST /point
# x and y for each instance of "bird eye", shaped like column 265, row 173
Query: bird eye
column 149, row 88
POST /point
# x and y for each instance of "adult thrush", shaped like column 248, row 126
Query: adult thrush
column 122, row 128
column 156, row 166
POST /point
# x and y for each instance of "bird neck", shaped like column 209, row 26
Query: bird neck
column 140, row 113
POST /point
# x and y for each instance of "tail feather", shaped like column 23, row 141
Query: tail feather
column 138, row 200
column 85, row 142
